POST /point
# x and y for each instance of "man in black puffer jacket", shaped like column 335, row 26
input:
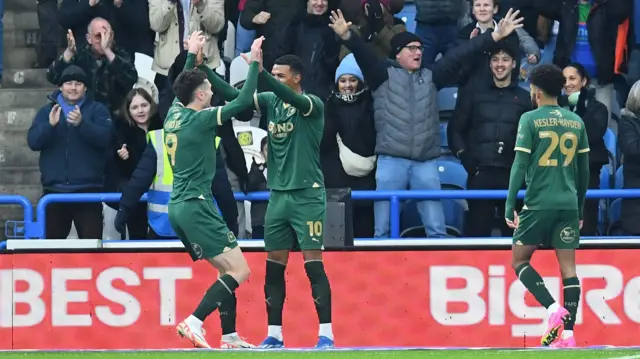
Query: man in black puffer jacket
column 482, row 133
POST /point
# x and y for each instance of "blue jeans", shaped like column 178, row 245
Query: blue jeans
column 244, row 39
column 436, row 39
column 395, row 173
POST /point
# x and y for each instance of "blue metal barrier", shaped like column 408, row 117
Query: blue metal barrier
column 27, row 212
column 394, row 197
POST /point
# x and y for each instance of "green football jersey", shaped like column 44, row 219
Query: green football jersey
column 293, row 156
column 554, row 137
column 189, row 138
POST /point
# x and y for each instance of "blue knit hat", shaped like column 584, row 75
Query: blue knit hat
column 349, row 66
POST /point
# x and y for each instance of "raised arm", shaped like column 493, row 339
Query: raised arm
column 303, row 102
column 244, row 100
column 374, row 70
column 191, row 59
column 447, row 71
column 228, row 92
column 245, row 97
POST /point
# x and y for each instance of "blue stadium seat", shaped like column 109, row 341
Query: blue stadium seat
column 619, row 182
column 411, row 225
column 447, row 98
column 614, row 217
column 410, row 222
column 408, row 15
column 454, row 213
column 444, row 142
column 605, row 177
column 611, row 143
column 452, row 174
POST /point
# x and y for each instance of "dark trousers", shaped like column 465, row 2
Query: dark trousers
column 223, row 194
column 257, row 232
column 363, row 220
column 138, row 223
column 590, row 212
column 86, row 216
column 161, row 82
column 481, row 218
column 47, row 49
column 436, row 39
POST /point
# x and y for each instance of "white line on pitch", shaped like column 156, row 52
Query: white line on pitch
column 627, row 357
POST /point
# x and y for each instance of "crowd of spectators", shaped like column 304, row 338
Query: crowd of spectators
column 383, row 128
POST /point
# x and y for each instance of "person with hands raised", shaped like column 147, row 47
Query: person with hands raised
column 110, row 72
column 408, row 136
column 54, row 115
column 298, row 197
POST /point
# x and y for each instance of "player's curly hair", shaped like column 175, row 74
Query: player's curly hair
column 549, row 79
column 293, row 61
column 187, row 83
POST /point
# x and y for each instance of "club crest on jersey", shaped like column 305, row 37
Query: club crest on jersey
column 197, row 250
column 291, row 111
column 568, row 235
column 280, row 130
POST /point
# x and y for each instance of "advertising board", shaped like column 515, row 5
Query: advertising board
column 400, row 298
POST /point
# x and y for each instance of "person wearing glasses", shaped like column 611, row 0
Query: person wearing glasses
column 406, row 112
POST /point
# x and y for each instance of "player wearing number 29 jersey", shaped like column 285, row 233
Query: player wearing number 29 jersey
column 552, row 155
column 554, row 137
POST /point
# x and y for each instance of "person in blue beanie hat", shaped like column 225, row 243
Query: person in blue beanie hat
column 349, row 140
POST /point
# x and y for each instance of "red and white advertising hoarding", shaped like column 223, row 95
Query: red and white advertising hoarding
column 410, row 298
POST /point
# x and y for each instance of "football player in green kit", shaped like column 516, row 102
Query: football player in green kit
column 552, row 153
column 189, row 136
column 296, row 211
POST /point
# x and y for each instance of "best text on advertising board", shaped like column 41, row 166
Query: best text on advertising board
column 416, row 298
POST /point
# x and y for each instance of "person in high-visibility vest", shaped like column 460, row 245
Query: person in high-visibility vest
column 151, row 172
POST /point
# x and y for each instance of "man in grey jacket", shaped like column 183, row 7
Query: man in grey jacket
column 406, row 112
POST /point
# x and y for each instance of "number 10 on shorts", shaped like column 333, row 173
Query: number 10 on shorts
column 315, row 228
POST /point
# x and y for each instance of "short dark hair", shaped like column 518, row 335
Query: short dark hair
column 503, row 46
column 187, row 83
column 293, row 61
column 549, row 79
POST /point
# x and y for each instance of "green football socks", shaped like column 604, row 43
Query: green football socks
column 571, row 293
column 215, row 295
column 228, row 314
column 534, row 283
column 320, row 289
column 275, row 291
